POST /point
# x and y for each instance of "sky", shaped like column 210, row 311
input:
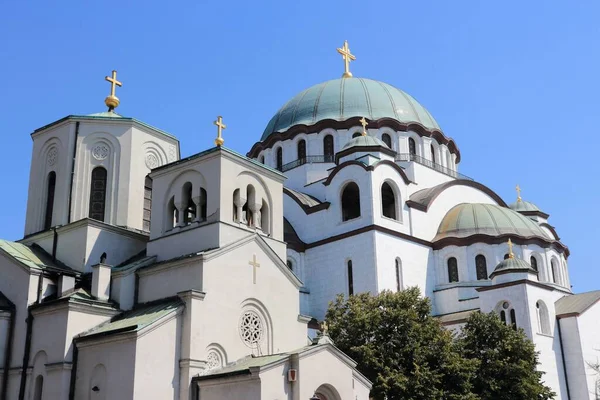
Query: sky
column 514, row 83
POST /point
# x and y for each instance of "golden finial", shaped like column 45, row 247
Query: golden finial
column 347, row 56
column 220, row 126
column 519, row 193
column 510, row 249
column 324, row 327
column 111, row 100
column 364, row 123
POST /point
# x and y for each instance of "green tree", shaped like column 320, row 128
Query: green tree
column 398, row 345
column 506, row 360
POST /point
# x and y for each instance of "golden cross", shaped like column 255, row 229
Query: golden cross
column 510, row 249
column 364, row 123
column 347, row 56
column 324, row 327
column 113, row 82
column 254, row 265
column 518, row 193
column 220, row 126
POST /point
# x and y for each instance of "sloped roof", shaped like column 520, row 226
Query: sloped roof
column 455, row 318
column 305, row 199
column 136, row 319
column 576, row 304
column 244, row 364
column 32, row 256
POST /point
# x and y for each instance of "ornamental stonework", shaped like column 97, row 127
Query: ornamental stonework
column 52, row 156
column 100, row 151
column 172, row 153
column 252, row 329
column 213, row 360
column 152, row 161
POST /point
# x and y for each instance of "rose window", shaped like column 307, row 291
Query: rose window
column 251, row 329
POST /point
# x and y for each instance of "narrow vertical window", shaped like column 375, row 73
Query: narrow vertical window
column 387, row 139
column 328, row 148
column 503, row 316
column 513, row 319
column 412, row 147
column 98, row 194
column 554, row 269
column 452, row 270
column 432, row 154
column 350, row 279
column 203, row 204
column 39, row 388
column 189, row 214
column 399, row 284
column 279, row 160
column 50, row 186
column 147, row 203
column 481, row 267
column 302, row 150
column 388, row 201
column 534, row 265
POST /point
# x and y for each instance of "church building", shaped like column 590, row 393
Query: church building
column 144, row 275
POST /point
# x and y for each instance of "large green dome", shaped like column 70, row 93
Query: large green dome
column 340, row 99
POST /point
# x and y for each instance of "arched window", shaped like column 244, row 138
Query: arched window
column 356, row 134
column 261, row 159
column 388, row 201
column 350, row 202
column 385, row 138
column 481, row 267
column 452, row 270
column 554, row 268
column 147, row 204
column 399, row 283
column 506, row 256
column 264, row 217
column 533, row 262
column 350, row 279
column 203, row 202
column 513, row 319
column 412, row 147
column 328, row 148
column 302, row 150
column 172, row 215
column 189, row 214
column 432, row 154
column 50, row 186
column 39, row 388
column 543, row 318
column 251, row 199
column 279, row 158
column 503, row 316
column 98, row 194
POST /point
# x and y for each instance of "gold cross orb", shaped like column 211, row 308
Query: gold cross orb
column 364, row 124
column 347, row 56
column 220, row 126
column 518, row 193
column 112, row 101
column 254, row 265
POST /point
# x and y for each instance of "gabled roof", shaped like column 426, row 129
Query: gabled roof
column 576, row 304
column 136, row 319
column 32, row 257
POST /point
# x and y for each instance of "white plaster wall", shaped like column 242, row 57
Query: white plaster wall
column 4, row 329
column 157, row 361
column 118, row 246
column 119, row 359
column 572, row 348
column 589, row 337
column 168, row 280
column 245, row 387
column 123, row 289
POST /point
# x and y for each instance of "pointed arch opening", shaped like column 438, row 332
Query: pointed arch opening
column 452, row 270
column 388, row 201
column 350, row 202
column 98, row 194
column 50, row 188
column 481, row 267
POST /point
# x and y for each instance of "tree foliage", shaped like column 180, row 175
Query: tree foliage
column 408, row 355
column 506, row 360
column 400, row 347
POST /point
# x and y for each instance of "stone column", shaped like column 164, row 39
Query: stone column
column 180, row 206
column 254, row 208
column 238, row 202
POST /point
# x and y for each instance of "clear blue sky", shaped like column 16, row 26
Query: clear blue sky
column 514, row 83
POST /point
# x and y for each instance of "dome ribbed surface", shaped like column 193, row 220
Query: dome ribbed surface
column 469, row 219
column 513, row 264
column 340, row 99
column 523, row 206
column 367, row 141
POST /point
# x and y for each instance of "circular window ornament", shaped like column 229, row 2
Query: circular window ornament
column 505, row 305
column 151, row 161
column 251, row 329
column 213, row 360
column 100, row 152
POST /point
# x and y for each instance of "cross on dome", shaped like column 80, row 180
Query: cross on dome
column 364, row 124
column 510, row 249
column 112, row 101
column 348, row 57
column 220, row 126
column 518, row 188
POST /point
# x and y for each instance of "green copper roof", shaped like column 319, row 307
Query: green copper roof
column 523, row 206
column 364, row 141
column 466, row 220
column 32, row 256
column 340, row 99
column 514, row 263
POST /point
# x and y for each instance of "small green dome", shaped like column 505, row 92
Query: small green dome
column 469, row 219
column 515, row 264
column 523, row 206
column 367, row 141
column 340, row 99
